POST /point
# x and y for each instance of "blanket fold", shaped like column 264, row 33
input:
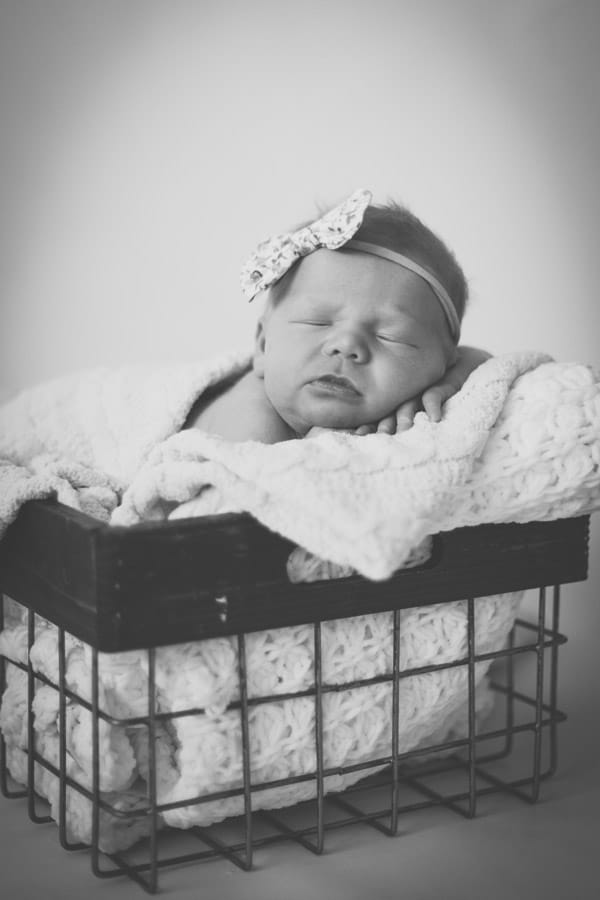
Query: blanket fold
column 520, row 441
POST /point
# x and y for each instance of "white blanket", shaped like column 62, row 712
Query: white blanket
column 521, row 441
column 202, row 753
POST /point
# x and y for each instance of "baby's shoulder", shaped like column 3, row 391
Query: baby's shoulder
column 241, row 412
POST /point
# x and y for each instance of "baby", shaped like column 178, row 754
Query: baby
column 360, row 328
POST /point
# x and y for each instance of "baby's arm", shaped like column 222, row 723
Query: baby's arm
column 432, row 399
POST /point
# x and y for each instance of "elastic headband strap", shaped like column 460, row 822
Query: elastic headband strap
column 438, row 289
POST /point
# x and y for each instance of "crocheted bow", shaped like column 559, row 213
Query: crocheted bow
column 273, row 257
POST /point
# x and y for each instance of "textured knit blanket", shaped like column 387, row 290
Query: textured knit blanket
column 200, row 754
column 521, row 441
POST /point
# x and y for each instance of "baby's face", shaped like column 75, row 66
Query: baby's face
column 351, row 338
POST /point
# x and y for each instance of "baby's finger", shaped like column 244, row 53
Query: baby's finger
column 387, row 425
column 435, row 397
column 364, row 429
column 405, row 415
column 315, row 431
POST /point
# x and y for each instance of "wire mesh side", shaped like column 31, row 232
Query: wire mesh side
column 144, row 873
column 390, row 828
column 239, row 853
column 546, row 715
column 65, row 842
column 395, row 787
column 553, row 736
column 386, row 821
column 32, row 797
column 481, row 780
column 464, row 756
column 5, row 787
column 312, row 838
column 472, row 748
column 539, row 696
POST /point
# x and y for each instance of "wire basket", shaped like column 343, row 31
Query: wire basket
column 153, row 586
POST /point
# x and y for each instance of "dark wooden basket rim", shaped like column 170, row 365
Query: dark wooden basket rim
column 162, row 583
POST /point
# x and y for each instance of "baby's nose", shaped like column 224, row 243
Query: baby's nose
column 348, row 343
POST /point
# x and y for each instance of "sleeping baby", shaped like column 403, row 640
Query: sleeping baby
column 359, row 330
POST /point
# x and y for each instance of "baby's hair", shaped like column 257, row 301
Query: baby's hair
column 395, row 227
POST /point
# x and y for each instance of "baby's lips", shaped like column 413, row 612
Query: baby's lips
column 337, row 381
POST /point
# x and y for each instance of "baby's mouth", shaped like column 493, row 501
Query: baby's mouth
column 336, row 384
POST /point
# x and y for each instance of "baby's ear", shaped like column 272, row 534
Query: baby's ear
column 258, row 360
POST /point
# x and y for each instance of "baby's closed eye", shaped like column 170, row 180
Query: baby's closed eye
column 397, row 339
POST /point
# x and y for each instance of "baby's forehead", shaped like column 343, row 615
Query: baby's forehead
column 344, row 275
column 331, row 264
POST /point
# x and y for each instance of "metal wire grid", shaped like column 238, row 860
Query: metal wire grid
column 401, row 769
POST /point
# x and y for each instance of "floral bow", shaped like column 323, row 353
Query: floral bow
column 273, row 257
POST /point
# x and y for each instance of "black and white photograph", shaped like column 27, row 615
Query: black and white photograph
column 299, row 449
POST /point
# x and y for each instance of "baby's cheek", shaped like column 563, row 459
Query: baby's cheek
column 408, row 382
column 430, row 369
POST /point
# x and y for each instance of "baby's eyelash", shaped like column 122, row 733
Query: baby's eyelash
column 396, row 340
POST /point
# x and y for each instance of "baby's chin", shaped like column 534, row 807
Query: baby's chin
column 328, row 412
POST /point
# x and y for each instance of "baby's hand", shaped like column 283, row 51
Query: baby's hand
column 400, row 420
column 433, row 398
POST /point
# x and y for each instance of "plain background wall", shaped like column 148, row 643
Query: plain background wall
column 147, row 146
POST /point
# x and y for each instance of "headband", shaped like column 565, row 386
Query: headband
column 275, row 256
column 438, row 289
